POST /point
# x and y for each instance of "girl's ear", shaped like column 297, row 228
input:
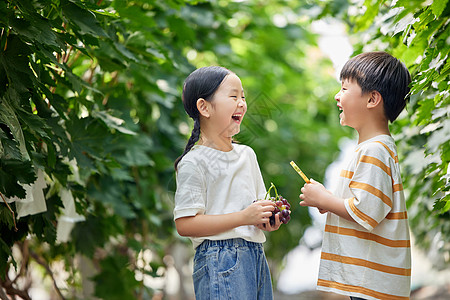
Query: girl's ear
column 203, row 107
column 374, row 100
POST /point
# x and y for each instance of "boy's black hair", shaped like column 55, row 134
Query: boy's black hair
column 202, row 83
column 380, row 71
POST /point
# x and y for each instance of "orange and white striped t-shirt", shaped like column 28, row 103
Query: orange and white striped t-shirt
column 369, row 258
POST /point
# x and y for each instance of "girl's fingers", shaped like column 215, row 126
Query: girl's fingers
column 277, row 219
column 268, row 208
column 266, row 202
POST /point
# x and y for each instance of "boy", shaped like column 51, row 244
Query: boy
column 366, row 250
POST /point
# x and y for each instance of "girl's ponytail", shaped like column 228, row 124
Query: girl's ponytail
column 202, row 83
column 195, row 135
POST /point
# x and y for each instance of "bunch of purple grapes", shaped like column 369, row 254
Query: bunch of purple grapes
column 282, row 207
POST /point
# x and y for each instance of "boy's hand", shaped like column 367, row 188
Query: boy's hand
column 312, row 195
column 268, row 227
column 258, row 212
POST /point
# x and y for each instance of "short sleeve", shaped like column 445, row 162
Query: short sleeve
column 259, row 181
column 371, row 187
column 190, row 196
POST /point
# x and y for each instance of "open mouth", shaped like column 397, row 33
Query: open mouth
column 237, row 118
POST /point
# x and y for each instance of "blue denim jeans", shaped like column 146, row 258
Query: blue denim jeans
column 231, row 269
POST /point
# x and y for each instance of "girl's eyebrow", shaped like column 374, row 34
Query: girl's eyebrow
column 236, row 91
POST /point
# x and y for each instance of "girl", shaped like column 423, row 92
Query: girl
column 217, row 184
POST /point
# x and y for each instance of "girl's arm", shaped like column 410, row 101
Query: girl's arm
column 316, row 195
column 205, row 225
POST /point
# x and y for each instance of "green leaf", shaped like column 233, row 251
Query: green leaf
column 51, row 158
column 34, row 122
column 44, row 228
column 84, row 19
column 11, row 173
column 112, row 122
column 412, row 53
column 423, row 20
column 371, row 12
column 424, row 111
column 16, row 65
column 6, row 217
column 5, row 254
column 442, row 205
column 37, row 29
column 111, row 193
column 438, row 6
column 115, row 280
column 444, row 72
column 11, row 122
column 9, row 148
column 42, row 108
column 94, row 232
column 88, row 137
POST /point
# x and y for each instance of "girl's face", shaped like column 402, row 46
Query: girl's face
column 228, row 106
column 353, row 104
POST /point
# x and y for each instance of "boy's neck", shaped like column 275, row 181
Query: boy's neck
column 372, row 129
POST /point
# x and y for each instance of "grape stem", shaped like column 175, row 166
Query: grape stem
column 276, row 192
column 268, row 191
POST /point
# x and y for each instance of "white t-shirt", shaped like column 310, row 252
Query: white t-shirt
column 214, row 182
column 369, row 258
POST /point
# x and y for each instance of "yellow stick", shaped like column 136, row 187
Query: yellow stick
column 296, row 168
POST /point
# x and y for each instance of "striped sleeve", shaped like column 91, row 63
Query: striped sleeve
column 371, row 185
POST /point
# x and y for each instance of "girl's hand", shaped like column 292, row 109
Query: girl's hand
column 322, row 211
column 268, row 227
column 258, row 212
column 312, row 195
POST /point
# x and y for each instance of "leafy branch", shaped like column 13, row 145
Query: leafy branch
column 12, row 212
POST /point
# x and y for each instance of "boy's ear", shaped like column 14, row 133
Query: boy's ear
column 374, row 100
column 203, row 107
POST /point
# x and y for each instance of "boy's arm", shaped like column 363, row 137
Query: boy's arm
column 316, row 195
column 206, row 225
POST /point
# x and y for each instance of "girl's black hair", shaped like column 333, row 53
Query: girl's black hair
column 202, row 83
column 380, row 71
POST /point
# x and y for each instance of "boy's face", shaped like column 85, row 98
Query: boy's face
column 353, row 104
